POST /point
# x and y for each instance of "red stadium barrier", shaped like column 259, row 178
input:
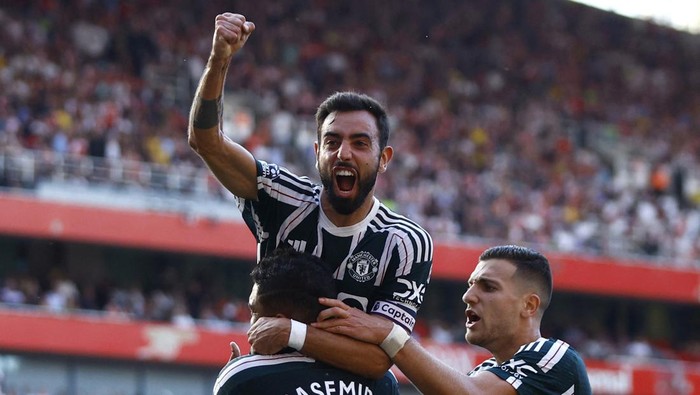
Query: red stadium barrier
column 126, row 340
column 603, row 276
column 115, row 338
column 138, row 229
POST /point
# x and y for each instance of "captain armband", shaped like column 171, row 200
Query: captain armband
column 208, row 113
column 394, row 341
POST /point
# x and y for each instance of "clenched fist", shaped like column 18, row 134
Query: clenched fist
column 230, row 34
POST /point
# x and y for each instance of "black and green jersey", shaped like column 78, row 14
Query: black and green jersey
column 382, row 264
column 545, row 366
column 294, row 374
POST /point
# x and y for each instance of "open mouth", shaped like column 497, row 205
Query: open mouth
column 472, row 318
column 345, row 179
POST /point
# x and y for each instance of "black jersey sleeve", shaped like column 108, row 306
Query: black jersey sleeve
column 410, row 257
column 281, row 195
column 546, row 366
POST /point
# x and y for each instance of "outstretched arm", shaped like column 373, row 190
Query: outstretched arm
column 429, row 374
column 232, row 164
column 269, row 335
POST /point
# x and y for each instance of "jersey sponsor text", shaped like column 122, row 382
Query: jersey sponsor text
column 413, row 295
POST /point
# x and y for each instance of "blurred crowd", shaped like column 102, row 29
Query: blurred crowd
column 182, row 302
column 188, row 302
column 542, row 122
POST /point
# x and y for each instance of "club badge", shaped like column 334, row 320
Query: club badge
column 362, row 266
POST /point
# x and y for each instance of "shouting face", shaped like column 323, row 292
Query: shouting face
column 494, row 303
column 348, row 160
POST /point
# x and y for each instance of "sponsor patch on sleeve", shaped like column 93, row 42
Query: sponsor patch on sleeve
column 268, row 170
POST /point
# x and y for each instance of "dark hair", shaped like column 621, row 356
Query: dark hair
column 290, row 283
column 351, row 101
column 531, row 266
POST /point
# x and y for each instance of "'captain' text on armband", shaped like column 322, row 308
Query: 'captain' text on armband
column 395, row 313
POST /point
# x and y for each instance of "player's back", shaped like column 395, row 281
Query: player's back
column 293, row 373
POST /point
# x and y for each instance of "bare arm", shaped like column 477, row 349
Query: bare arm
column 346, row 353
column 432, row 376
column 270, row 335
column 429, row 374
column 231, row 163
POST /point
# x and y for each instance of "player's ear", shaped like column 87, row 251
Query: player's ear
column 531, row 304
column 385, row 158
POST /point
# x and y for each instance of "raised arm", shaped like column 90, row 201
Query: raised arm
column 270, row 335
column 231, row 163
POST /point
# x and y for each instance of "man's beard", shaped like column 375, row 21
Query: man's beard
column 343, row 205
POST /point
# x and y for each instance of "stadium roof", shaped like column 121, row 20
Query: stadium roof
column 680, row 14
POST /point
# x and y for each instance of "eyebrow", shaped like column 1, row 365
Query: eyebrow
column 353, row 135
column 483, row 280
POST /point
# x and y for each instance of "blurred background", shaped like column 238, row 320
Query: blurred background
column 548, row 123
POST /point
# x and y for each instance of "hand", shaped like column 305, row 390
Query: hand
column 269, row 335
column 230, row 34
column 235, row 351
column 344, row 320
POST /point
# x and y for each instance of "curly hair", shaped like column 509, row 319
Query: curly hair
column 290, row 282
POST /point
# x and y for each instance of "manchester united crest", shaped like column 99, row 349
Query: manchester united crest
column 362, row 266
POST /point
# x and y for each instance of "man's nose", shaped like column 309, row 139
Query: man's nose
column 469, row 296
column 345, row 151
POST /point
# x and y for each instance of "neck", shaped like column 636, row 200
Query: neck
column 342, row 220
column 507, row 352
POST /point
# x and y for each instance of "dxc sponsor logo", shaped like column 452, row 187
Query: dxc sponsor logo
column 413, row 294
column 518, row 368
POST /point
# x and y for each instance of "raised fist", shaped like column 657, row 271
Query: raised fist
column 230, row 34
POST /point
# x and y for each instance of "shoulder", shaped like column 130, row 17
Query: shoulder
column 274, row 171
column 389, row 218
column 543, row 366
column 252, row 361
column 273, row 174
column 547, row 353
column 403, row 227
column 486, row 365
column 250, row 367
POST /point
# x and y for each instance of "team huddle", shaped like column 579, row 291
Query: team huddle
column 340, row 276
